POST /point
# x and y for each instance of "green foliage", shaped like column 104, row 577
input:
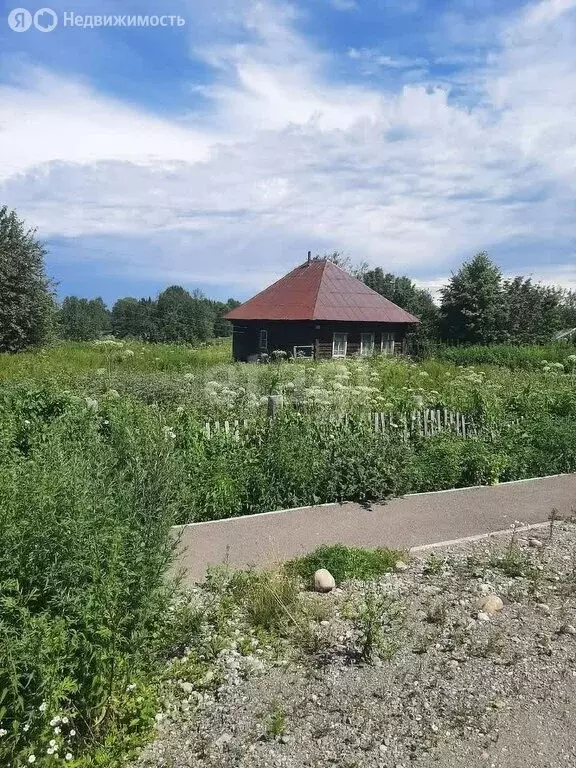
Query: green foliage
column 26, row 304
column 346, row 562
column 83, row 319
column 472, row 309
column 84, row 547
column 276, row 723
column 379, row 622
column 514, row 357
column 270, row 598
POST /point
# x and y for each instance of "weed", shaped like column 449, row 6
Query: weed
column 437, row 613
column 346, row 562
column 276, row 723
column 379, row 623
column 434, row 564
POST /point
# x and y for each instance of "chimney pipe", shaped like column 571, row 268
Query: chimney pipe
column 309, row 256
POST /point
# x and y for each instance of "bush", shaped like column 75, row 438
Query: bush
column 84, row 547
column 346, row 563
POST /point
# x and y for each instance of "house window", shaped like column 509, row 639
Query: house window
column 387, row 345
column 366, row 343
column 263, row 341
column 339, row 345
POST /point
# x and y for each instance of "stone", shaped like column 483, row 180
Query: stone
column 187, row 687
column 536, row 543
column 485, row 589
column 544, row 608
column 567, row 629
column 323, row 581
column 490, row 604
column 221, row 741
column 400, row 566
column 483, row 616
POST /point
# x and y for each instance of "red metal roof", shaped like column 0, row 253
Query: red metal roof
column 319, row 290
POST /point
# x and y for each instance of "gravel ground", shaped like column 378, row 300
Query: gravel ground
column 442, row 681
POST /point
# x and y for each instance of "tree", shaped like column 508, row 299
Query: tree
column 406, row 294
column 533, row 312
column 135, row 318
column 472, row 309
column 26, row 300
column 83, row 319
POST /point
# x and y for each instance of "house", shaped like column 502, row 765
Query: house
column 318, row 311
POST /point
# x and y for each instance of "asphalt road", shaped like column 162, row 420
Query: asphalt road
column 402, row 523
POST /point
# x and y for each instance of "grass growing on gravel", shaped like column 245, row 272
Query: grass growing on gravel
column 346, row 563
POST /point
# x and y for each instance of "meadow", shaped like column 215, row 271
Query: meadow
column 103, row 447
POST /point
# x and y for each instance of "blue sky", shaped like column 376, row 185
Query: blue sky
column 408, row 134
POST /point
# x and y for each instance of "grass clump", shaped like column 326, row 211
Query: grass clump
column 346, row 563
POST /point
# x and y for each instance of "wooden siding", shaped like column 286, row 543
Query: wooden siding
column 285, row 335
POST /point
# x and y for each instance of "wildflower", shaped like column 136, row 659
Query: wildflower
column 26, row 727
column 3, row 732
column 57, row 730
column 68, row 756
column 100, row 371
column 65, row 720
column 52, row 742
column 169, row 433
column 43, row 707
column 72, row 732
column 54, row 721
column 131, row 687
column 32, row 758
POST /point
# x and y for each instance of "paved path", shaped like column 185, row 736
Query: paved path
column 401, row 523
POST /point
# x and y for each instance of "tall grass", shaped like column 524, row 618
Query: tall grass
column 507, row 355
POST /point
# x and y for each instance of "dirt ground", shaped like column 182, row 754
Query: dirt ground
column 448, row 680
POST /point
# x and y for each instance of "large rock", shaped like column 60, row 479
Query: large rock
column 490, row 604
column 323, row 581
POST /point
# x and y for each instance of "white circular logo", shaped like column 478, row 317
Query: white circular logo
column 19, row 20
column 45, row 20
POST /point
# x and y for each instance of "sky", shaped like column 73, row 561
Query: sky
column 408, row 134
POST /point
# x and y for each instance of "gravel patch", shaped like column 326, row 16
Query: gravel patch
column 422, row 667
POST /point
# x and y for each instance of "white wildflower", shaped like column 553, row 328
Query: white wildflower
column 32, row 758
column 3, row 732
column 68, row 756
column 43, row 707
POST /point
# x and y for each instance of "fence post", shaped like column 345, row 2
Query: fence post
column 274, row 405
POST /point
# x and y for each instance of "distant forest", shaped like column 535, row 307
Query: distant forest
column 174, row 316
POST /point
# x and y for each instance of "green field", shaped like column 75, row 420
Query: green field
column 103, row 447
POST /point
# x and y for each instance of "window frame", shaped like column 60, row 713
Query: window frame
column 370, row 350
column 345, row 335
column 387, row 343
column 263, row 340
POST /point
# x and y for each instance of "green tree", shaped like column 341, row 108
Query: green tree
column 406, row 294
column 26, row 301
column 533, row 312
column 135, row 318
column 83, row 319
column 473, row 303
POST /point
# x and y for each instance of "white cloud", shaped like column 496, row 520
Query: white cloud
column 286, row 159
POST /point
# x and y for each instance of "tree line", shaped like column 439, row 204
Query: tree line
column 174, row 316
column 477, row 305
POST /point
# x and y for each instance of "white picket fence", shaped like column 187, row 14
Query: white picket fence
column 422, row 423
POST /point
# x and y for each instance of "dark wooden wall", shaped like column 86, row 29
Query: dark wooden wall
column 287, row 334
